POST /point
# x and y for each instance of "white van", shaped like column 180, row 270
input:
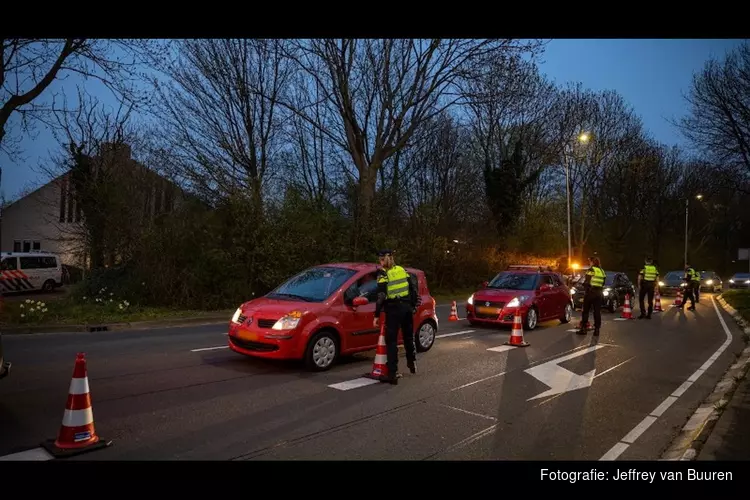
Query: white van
column 21, row 272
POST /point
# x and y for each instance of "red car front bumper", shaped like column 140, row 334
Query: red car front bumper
column 504, row 316
column 265, row 344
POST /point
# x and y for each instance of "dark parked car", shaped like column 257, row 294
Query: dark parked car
column 740, row 281
column 710, row 282
column 616, row 286
column 671, row 283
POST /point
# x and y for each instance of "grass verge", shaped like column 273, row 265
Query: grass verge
column 740, row 300
column 67, row 311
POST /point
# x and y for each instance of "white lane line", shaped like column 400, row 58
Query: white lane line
column 468, row 412
column 639, row 429
column 364, row 381
column 501, row 348
column 442, row 335
column 210, row 348
column 353, row 384
column 35, row 454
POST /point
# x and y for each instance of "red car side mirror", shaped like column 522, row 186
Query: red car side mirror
column 485, row 284
column 360, row 301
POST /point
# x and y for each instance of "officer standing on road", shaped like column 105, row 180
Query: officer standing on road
column 593, row 285
column 692, row 279
column 647, row 279
column 398, row 297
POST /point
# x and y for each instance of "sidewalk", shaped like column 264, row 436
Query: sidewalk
column 730, row 437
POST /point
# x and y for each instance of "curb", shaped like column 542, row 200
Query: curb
column 111, row 327
column 698, row 428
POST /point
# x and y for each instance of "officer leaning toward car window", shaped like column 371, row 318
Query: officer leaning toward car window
column 398, row 298
column 692, row 279
column 593, row 286
column 647, row 279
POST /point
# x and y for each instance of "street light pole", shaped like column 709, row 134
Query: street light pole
column 567, row 191
column 687, row 210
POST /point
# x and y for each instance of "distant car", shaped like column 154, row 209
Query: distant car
column 537, row 295
column 322, row 313
column 616, row 286
column 711, row 282
column 740, row 281
column 671, row 283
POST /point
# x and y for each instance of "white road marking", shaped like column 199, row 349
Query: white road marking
column 35, row 454
column 639, row 429
column 501, row 348
column 595, row 376
column 210, row 348
column 469, row 412
column 477, row 381
column 353, row 384
column 442, row 335
column 561, row 380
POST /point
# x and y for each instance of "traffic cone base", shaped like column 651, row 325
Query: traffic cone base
column 516, row 335
column 380, row 365
column 77, row 434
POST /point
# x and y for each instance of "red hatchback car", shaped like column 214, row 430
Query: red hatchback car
column 538, row 295
column 322, row 313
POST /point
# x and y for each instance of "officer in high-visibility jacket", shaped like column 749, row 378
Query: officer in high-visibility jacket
column 593, row 285
column 692, row 279
column 647, row 280
column 398, row 298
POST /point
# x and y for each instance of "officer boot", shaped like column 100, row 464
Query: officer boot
column 596, row 332
column 412, row 365
column 390, row 378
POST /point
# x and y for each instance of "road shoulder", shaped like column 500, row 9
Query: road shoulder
column 696, row 433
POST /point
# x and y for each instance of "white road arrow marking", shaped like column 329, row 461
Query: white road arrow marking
column 558, row 378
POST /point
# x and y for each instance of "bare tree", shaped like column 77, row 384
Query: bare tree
column 719, row 120
column 222, row 115
column 384, row 90
column 29, row 66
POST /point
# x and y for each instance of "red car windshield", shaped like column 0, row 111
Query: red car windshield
column 514, row 281
column 313, row 285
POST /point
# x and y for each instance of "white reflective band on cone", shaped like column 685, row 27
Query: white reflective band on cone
column 79, row 386
column 381, row 359
column 77, row 418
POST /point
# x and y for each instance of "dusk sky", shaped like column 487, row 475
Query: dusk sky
column 652, row 75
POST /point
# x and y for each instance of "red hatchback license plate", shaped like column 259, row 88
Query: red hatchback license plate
column 488, row 310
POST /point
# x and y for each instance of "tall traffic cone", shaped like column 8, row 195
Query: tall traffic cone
column 77, row 434
column 627, row 312
column 516, row 335
column 657, row 302
column 454, row 313
column 379, row 366
column 678, row 301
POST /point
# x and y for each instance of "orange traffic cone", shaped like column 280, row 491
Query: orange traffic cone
column 379, row 366
column 627, row 313
column 657, row 302
column 77, row 434
column 454, row 313
column 516, row 335
column 678, row 301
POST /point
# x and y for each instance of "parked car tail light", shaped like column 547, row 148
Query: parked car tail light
column 288, row 322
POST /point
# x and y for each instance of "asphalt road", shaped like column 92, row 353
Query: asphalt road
column 180, row 394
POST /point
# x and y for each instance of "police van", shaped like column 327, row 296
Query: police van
column 22, row 272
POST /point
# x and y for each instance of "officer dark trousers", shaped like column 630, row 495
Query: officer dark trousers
column 592, row 299
column 647, row 288
column 689, row 294
column 398, row 315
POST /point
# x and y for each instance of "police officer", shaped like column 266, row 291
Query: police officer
column 398, row 298
column 692, row 279
column 593, row 285
column 647, row 285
